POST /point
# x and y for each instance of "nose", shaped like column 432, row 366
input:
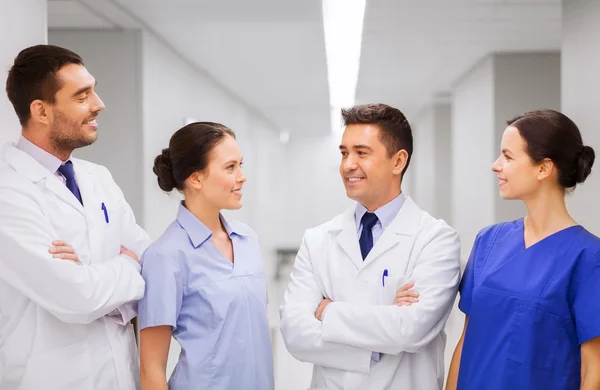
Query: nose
column 98, row 103
column 349, row 164
column 496, row 167
column 241, row 178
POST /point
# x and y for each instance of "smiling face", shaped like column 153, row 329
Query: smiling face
column 518, row 176
column 72, row 117
column 370, row 175
column 223, row 178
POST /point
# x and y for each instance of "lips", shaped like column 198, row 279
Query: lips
column 355, row 179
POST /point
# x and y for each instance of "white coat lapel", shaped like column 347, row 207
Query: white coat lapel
column 401, row 232
column 35, row 172
column 92, row 207
column 344, row 227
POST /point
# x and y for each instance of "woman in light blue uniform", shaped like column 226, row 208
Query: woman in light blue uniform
column 531, row 289
column 205, row 283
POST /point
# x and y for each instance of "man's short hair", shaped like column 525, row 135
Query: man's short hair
column 394, row 129
column 33, row 76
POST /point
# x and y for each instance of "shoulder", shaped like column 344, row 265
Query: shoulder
column 319, row 232
column 99, row 171
column 502, row 229
column 164, row 252
column 587, row 245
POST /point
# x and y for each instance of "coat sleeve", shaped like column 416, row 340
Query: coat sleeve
column 394, row 329
column 135, row 239
column 71, row 292
column 300, row 329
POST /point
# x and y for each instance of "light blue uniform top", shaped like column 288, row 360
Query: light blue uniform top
column 218, row 310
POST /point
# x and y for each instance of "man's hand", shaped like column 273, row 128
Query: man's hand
column 321, row 308
column 127, row 252
column 64, row 251
column 406, row 297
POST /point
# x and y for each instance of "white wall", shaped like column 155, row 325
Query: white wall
column 523, row 82
column 423, row 162
column 472, row 147
column 113, row 58
column 431, row 166
column 443, row 151
column 580, row 97
column 22, row 24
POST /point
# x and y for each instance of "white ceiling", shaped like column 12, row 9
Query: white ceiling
column 415, row 50
column 271, row 53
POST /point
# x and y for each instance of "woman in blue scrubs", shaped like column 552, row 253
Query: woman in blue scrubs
column 531, row 288
column 205, row 284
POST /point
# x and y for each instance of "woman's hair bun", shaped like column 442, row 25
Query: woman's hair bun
column 584, row 163
column 163, row 169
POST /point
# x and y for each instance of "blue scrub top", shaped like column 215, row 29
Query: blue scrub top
column 218, row 310
column 529, row 308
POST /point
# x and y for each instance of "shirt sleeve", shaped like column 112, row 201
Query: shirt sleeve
column 468, row 279
column 163, row 297
column 586, row 303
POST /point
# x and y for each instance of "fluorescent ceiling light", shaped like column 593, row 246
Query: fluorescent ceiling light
column 343, row 26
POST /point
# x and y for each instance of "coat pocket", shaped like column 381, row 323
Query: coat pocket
column 67, row 368
column 534, row 336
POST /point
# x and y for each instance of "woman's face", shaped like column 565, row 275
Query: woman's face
column 518, row 176
column 222, row 180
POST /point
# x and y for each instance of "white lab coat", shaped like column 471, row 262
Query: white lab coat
column 362, row 318
column 65, row 326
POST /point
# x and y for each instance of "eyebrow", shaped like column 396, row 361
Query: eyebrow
column 84, row 89
column 342, row 147
column 233, row 161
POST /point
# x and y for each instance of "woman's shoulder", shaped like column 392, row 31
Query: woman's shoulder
column 492, row 232
column 170, row 242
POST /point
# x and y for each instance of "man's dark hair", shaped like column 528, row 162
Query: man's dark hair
column 33, row 76
column 394, row 129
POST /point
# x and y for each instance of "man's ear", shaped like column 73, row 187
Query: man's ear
column 41, row 112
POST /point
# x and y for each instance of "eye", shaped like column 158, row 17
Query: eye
column 241, row 164
column 344, row 154
column 361, row 153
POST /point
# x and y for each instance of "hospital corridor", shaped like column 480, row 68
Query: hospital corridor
column 299, row 194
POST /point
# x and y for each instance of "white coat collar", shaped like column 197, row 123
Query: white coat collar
column 33, row 171
column 403, row 228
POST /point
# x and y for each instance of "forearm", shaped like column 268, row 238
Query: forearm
column 153, row 377
column 301, row 333
column 591, row 379
column 452, row 382
column 387, row 329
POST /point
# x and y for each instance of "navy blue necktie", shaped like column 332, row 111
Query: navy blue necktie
column 69, row 174
column 366, row 236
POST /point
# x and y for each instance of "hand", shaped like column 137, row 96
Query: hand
column 321, row 308
column 64, row 251
column 405, row 296
column 127, row 252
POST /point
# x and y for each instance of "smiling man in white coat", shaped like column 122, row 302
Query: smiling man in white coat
column 70, row 246
column 341, row 310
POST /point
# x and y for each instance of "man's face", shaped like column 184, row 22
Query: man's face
column 369, row 174
column 73, row 115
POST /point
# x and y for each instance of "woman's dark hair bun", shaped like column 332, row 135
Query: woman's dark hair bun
column 584, row 163
column 163, row 169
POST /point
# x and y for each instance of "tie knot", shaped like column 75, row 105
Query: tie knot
column 67, row 170
column 369, row 220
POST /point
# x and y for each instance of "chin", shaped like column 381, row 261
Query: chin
column 234, row 206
